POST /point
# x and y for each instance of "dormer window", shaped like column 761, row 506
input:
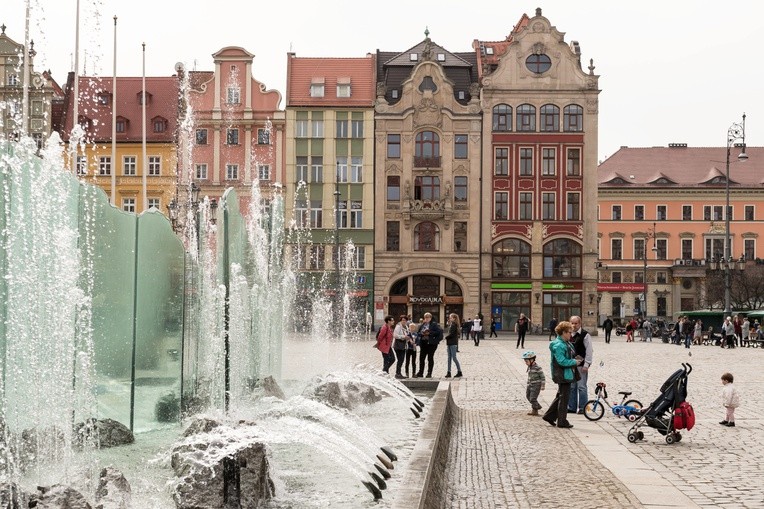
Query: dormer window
column 343, row 87
column 394, row 93
column 140, row 98
column 317, row 87
column 413, row 57
column 85, row 122
column 103, row 99
column 160, row 124
column 441, row 57
column 489, row 50
column 121, row 124
column 461, row 95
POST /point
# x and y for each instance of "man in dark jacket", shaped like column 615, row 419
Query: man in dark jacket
column 582, row 344
column 430, row 334
column 607, row 326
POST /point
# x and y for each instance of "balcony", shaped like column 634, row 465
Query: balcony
column 427, row 162
column 689, row 262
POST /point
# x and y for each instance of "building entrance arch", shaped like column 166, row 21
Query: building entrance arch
column 417, row 294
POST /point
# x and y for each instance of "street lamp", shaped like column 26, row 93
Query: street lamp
column 648, row 236
column 734, row 133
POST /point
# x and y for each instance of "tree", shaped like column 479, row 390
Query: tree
column 746, row 288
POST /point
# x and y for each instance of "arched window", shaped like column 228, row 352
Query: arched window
column 400, row 287
column 452, row 288
column 573, row 118
column 526, row 117
column 502, row 117
column 511, row 258
column 426, row 237
column 562, row 259
column 550, row 118
column 427, row 144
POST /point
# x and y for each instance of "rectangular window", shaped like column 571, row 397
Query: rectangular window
column 155, row 166
column 201, row 136
column 526, row 207
column 316, row 214
column 501, row 206
column 301, row 129
column 342, row 129
column 128, row 204
column 201, row 171
column 104, row 165
column 616, row 213
column 342, row 169
column 393, row 188
column 749, row 249
column 749, row 213
column 639, row 249
column 233, row 95
column 160, row 125
column 393, row 146
column 263, row 172
column 573, row 212
column 352, row 218
column 616, row 276
column 574, row 162
column 317, row 90
column 263, row 137
column 360, row 257
column 660, row 278
column 129, row 165
column 122, row 125
column 460, row 237
column 356, row 128
column 548, row 209
column 82, row 165
column 343, row 90
column 686, row 212
column 686, row 249
column 616, row 249
column 232, row 137
column 639, row 212
column 460, row 189
column 502, row 161
column 393, row 240
column 154, row 203
column 232, row 172
column 301, row 169
column 662, row 249
column 718, row 213
column 548, row 161
column 706, row 213
column 301, row 214
column 317, row 128
column 356, row 169
column 316, row 169
column 460, row 146
column 660, row 213
column 639, row 276
column 526, row 161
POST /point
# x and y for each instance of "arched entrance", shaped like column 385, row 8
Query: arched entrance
column 418, row 294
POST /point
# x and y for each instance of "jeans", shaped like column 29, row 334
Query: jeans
column 578, row 393
column 687, row 341
column 558, row 409
column 411, row 360
column 388, row 359
column 452, row 355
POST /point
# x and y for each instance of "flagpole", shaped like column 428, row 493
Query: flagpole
column 114, row 122
column 25, row 93
column 145, row 158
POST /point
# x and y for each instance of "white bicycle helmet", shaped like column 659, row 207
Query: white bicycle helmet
column 529, row 354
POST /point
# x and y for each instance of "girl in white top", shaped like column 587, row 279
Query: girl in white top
column 477, row 328
column 730, row 399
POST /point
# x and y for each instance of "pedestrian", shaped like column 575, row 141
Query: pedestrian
column 647, row 326
column 452, row 343
column 697, row 335
column 493, row 328
column 385, row 343
column 738, row 325
column 745, row 328
column 728, row 332
column 430, row 334
column 536, row 381
column 477, row 329
column 400, row 340
column 582, row 345
column 563, row 374
column 553, row 324
column 466, row 328
column 411, row 346
column 521, row 327
column 607, row 326
column 730, row 399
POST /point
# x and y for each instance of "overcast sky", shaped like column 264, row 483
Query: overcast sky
column 670, row 71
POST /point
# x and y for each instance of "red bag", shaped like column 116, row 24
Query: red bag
column 684, row 416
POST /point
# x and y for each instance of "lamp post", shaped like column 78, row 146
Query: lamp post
column 648, row 236
column 734, row 133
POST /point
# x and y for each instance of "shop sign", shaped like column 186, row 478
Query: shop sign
column 426, row 300
column 561, row 286
column 620, row 287
column 511, row 286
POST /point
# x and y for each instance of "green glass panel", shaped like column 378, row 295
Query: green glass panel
column 356, row 192
column 341, row 115
column 158, row 319
column 302, row 147
column 317, row 149
column 341, row 146
column 356, row 146
column 316, row 191
column 302, row 115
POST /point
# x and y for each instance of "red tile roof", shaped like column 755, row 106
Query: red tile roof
column 498, row 47
column 163, row 102
column 681, row 167
column 302, row 71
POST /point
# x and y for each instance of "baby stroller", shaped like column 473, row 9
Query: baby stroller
column 670, row 411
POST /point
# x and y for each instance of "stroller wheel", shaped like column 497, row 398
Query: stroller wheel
column 670, row 439
column 640, row 435
column 632, row 437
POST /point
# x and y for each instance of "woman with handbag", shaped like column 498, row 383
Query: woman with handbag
column 564, row 373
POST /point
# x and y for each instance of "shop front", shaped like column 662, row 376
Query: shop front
column 418, row 294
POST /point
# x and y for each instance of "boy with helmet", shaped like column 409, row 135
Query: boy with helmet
column 536, row 381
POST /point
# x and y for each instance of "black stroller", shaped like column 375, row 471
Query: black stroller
column 668, row 413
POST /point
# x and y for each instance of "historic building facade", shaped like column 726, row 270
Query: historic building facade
column 661, row 222
column 329, row 188
column 539, row 143
column 235, row 127
column 428, row 169
column 123, row 177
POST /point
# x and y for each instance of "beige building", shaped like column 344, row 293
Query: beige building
column 428, row 165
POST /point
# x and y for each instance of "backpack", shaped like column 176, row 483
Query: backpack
column 684, row 416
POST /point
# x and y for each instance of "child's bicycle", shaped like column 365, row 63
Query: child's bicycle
column 595, row 408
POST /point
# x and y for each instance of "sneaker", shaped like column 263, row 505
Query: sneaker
column 730, row 424
column 458, row 375
column 723, row 423
column 448, row 375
